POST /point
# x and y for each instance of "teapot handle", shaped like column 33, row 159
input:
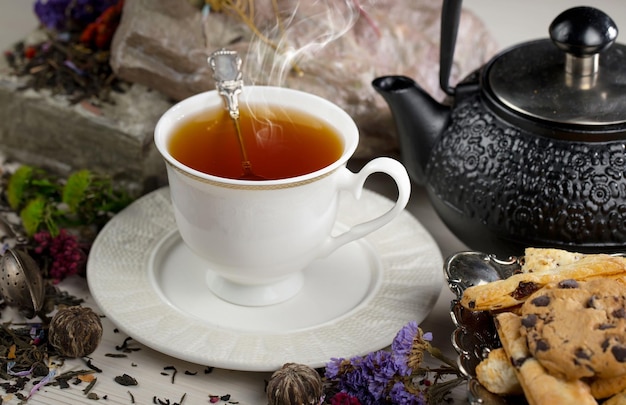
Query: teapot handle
column 450, row 16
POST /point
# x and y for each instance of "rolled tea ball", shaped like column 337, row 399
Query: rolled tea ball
column 75, row 331
column 295, row 384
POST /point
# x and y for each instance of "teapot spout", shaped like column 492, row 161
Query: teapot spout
column 419, row 120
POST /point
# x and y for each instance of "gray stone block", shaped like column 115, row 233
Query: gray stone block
column 46, row 130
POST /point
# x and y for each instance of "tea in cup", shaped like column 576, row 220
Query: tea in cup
column 258, row 235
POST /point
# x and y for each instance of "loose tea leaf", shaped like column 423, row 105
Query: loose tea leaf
column 115, row 355
column 125, row 348
column 63, row 65
column 90, row 386
column 125, row 380
column 91, row 366
column 174, row 371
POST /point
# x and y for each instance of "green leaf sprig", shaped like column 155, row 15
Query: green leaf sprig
column 45, row 201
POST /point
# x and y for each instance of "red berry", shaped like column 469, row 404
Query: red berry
column 30, row 52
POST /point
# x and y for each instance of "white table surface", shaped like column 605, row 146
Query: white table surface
column 511, row 22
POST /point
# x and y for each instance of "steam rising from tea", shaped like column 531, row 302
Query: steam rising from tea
column 302, row 30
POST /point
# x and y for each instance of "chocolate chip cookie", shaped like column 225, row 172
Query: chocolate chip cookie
column 577, row 329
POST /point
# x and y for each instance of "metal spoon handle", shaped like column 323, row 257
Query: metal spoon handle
column 227, row 74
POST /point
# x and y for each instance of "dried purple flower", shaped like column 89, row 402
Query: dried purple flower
column 409, row 346
column 400, row 394
column 379, row 369
column 51, row 13
column 333, row 367
column 62, row 15
column 366, row 378
column 387, row 377
column 74, row 68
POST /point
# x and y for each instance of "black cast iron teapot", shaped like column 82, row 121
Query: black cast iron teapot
column 529, row 150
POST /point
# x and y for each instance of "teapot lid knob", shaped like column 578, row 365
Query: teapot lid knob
column 575, row 78
column 583, row 32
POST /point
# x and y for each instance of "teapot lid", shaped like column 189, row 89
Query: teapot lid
column 577, row 77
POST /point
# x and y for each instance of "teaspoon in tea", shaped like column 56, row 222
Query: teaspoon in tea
column 227, row 73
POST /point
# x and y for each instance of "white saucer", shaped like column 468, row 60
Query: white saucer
column 153, row 287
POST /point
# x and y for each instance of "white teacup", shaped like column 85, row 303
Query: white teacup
column 258, row 236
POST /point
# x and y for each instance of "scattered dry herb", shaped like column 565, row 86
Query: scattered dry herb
column 116, row 355
column 125, row 348
column 68, row 69
column 132, row 397
column 74, row 374
column 160, row 401
column 125, row 380
column 88, row 362
column 65, row 299
column 21, row 358
column 124, row 344
column 174, row 371
column 90, row 386
column 166, row 401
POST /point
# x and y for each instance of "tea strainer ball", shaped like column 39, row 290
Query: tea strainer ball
column 21, row 282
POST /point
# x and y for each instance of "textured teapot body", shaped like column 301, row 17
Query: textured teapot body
column 530, row 150
column 499, row 187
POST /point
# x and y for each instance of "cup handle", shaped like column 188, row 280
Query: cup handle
column 354, row 182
